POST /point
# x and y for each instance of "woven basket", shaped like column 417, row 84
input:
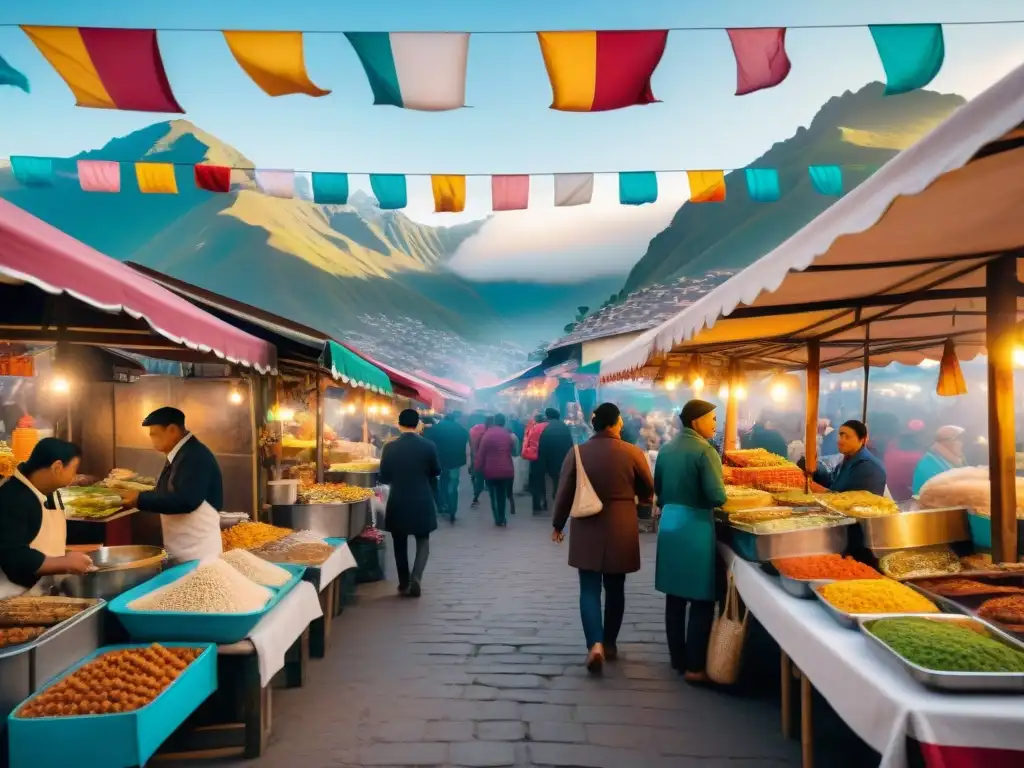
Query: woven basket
column 728, row 636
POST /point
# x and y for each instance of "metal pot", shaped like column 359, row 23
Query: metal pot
column 335, row 520
column 358, row 479
column 129, row 566
column 283, row 491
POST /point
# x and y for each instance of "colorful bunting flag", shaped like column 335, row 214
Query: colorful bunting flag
column 156, row 178
column 510, row 193
column 638, row 187
column 213, row 178
column 598, row 71
column 10, row 76
column 449, row 193
column 706, row 186
column 827, row 179
column 414, row 70
column 763, row 185
column 761, row 59
column 274, row 60
column 389, row 189
column 304, row 185
column 99, row 176
column 911, row 54
column 33, row 171
column 573, row 189
column 108, row 68
column 276, row 183
column 330, row 188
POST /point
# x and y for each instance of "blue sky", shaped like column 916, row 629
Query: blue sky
column 509, row 128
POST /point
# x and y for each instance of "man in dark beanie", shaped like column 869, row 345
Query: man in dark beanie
column 688, row 484
column 410, row 466
column 554, row 445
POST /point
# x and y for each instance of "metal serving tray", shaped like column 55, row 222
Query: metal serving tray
column 801, row 588
column 909, row 530
column 851, row 620
column 763, row 547
column 966, row 605
column 964, row 682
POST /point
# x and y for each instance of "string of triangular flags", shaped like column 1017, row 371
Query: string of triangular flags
column 508, row 192
column 589, row 71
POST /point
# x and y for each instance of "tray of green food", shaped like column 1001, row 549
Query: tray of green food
column 950, row 652
column 90, row 502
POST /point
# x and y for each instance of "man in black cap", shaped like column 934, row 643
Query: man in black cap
column 189, row 492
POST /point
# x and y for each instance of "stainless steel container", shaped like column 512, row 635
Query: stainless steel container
column 801, row 588
column 68, row 642
column 923, row 528
column 764, row 547
column 358, row 479
column 131, row 564
column 15, row 680
column 974, row 682
column 851, row 620
column 328, row 520
column 282, row 492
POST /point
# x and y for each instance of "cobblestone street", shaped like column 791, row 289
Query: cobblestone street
column 485, row 669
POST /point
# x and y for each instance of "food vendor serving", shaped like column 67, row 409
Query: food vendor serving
column 188, row 492
column 33, row 530
column 860, row 470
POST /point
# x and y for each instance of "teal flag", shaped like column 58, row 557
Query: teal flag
column 33, row 171
column 389, row 189
column 330, row 188
column 911, row 54
column 10, row 76
column 827, row 179
column 638, row 187
column 763, row 185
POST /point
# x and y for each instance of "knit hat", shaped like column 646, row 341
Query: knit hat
column 694, row 410
column 948, row 434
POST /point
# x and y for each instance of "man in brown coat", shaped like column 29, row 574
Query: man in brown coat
column 606, row 546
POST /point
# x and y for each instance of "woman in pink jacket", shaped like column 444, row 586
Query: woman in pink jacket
column 494, row 462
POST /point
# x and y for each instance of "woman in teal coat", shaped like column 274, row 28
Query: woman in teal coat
column 688, row 484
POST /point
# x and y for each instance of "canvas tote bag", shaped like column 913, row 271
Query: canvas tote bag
column 585, row 503
column 728, row 634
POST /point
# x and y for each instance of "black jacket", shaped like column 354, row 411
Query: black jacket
column 192, row 478
column 21, row 517
column 451, row 440
column 555, row 444
column 410, row 466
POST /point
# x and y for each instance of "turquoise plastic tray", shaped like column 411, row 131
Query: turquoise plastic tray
column 157, row 626
column 121, row 740
column 981, row 531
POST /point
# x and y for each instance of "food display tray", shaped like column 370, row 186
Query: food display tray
column 763, row 547
column 157, row 626
column 963, row 682
column 852, row 620
column 801, row 588
column 120, row 740
column 920, row 528
column 969, row 604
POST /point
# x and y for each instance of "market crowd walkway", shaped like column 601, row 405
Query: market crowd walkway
column 485, row 670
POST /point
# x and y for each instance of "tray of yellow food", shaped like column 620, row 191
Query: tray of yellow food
column 752, row 516
column 923, row 563
column 333, row 493
column 739, row 498
column 754, row 457
column 793, row 497
column 852, row 600
column 859, row 504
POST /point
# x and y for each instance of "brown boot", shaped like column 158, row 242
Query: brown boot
column 595, row 659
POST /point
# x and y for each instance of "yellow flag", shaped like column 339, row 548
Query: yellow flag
column 706, row 186
column 156, row 178
column 274, row 61
column 449, row 193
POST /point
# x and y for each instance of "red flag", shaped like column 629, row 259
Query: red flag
column 213, row 178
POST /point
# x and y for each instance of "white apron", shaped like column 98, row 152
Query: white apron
column 51, row 540
column 195, row 536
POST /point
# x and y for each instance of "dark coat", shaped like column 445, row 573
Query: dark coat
column 185, row 483
column 860, row 472
column 608, row 542
column 451, row 440
column 494, row 455
column 21, row 517
column 555, row 443
column 410, row 466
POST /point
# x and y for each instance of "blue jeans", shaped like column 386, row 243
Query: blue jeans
column 448, row 491
column 590, row 606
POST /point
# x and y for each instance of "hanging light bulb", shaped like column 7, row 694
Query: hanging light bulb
column 741, row 392
column 697, row 385
column 235, row 397
column 60, row 385
column 723, row 392
column 779, row 392
column 1018, row 357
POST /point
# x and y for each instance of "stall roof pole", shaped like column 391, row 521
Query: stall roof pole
column 813, row 390
column 732, row 407
column 319, row 449
column 1001, row 321
column 867, row 373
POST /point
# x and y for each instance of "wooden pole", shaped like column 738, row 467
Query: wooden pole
column 867, row 373
column 732, row 409
column 1000, row 336
column 806, row 723
column 319, row 429
column 813, row 392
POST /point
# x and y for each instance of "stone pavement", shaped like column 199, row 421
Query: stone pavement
column 485, row 669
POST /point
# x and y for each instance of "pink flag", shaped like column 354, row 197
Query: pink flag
column 510, row 193
column 99, row 175
column 761, row 60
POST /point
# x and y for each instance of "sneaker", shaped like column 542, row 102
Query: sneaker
column 414, row 589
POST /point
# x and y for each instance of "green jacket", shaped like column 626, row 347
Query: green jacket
column 689, row 473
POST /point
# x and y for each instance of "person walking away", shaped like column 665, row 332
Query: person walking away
column 901, row 459
column 450, row 439
column 688, row 486
column 605, row 547
column 531, row 453
column 476, row 433
column 860, row 470
column 555, row 444
column 410, row 466
column 947, row 452
column 494, row 463
column 765, row 436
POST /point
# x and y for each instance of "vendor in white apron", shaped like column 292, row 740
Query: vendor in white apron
column 188, row 493
column 33, row 530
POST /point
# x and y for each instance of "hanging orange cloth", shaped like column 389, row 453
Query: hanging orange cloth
column 951, row 378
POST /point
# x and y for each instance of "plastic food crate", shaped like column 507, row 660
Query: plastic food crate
column 981, row 530
column 158, row 626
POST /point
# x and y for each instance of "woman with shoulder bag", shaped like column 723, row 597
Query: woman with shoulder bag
column 600, row 484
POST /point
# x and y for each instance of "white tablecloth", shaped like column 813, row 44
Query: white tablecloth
column 339, row 561
column 871, row 693
column 279, row 629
